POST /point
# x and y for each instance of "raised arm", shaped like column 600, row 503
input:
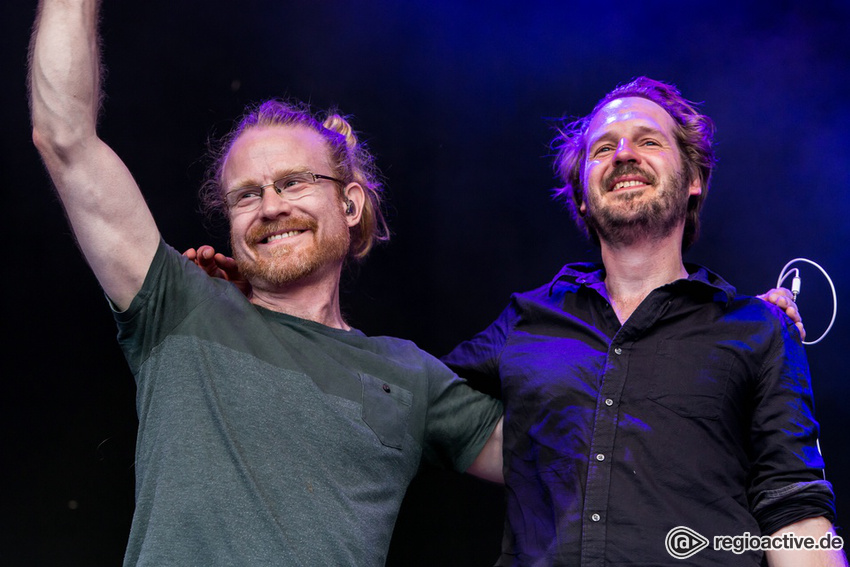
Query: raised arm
column 108, row 215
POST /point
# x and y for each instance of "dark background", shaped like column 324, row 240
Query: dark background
column 457, row 99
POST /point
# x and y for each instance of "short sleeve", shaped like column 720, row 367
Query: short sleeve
column 460, row 419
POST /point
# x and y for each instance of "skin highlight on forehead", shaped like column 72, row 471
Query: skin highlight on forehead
column 276, row 151
column 653, row 118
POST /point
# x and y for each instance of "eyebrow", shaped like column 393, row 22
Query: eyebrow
column 279, row 174
column 639, row 131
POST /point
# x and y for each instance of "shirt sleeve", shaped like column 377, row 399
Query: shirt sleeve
column 460, row 419
column 787, row 480
column 173, row 288
column 477, row 360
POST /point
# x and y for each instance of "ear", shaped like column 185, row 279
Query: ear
column 582, row 197
column 695, row 187
column 353, row 196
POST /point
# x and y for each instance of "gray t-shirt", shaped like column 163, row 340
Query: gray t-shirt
column 265, row 439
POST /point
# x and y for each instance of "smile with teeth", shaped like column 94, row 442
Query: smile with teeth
column 283, row 235
column 627, row 184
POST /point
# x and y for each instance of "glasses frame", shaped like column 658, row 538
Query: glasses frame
column 281, row 191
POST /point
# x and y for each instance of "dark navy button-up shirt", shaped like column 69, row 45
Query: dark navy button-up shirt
column 697, row 412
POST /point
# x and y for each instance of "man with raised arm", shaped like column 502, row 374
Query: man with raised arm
column 649, row 408
column 645, row 400
column 270, row 431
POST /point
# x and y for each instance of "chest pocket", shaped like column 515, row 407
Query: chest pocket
column 386, row 410
column 690, row 378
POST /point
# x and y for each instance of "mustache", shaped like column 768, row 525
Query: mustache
column 262, row 231
column 628, row 169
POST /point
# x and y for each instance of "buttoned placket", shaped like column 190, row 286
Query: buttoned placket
column 609, row 398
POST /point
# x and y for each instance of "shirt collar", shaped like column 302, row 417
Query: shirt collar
column 573, row 276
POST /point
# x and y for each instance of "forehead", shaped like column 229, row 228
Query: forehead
column 264, row 152
column 622, row 114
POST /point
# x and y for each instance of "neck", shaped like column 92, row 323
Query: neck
column 314, row 297
column 633, row 271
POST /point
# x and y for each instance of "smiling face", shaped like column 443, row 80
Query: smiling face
column 636, row 186
column 281, row 241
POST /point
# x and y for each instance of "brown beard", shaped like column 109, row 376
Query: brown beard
column 286, row 266
column 651, row 220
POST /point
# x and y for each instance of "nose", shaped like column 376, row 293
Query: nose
column 273, row 204
column 626, row 152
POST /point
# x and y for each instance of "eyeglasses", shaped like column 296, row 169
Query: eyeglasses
column 292, row 187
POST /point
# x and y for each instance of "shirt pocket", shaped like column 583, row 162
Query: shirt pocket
column 690, row 378
column 386, row 410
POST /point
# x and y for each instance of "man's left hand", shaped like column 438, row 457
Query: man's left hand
column 783, row 299
column 218, row 265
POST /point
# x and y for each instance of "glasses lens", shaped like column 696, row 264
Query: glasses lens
column 295, row 186
column 244, row 197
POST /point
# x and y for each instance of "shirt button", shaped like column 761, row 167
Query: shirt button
column 600, row 457
column 595, row 517
column 609, row 402
column 618, row 350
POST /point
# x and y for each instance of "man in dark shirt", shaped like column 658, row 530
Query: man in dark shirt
column 650, row 410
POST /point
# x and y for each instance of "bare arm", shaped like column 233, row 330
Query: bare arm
column 816, row 528
column 488, row 463
column 108, row 214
